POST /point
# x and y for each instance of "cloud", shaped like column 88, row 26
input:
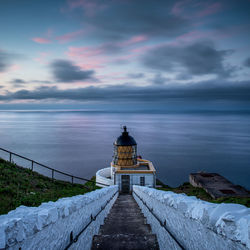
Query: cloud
column 136, row 75
column 195, row 9
column 204, row 91
column 66, row 71
column 247, row 62
column 4, row 61
column 119, row 20
column 199, row 58
column 70, row 36
column 41, row 40
column 40, row 81
column 17, row 80
column 159, row 79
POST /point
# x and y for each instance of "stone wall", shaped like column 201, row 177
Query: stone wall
column 195, row 224
column 49, row 225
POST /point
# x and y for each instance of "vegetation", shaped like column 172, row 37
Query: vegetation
column 20, row 186
column 200, row 193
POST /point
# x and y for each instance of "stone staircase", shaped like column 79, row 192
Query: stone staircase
column 125, row 228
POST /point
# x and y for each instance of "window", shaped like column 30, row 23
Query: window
column 142, row 181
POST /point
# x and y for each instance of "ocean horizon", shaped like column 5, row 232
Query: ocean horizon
column 80, row 142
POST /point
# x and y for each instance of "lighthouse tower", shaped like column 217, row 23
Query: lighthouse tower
column 127, row 169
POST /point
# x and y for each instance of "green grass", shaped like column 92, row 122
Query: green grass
column 200, row 193
column 21, row 186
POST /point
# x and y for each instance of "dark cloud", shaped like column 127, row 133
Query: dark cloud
column 136, row 75
column 40, row 81
column 4, row 61
column 115, row 20
column 247, row 62
column 159, row 79
column 17, row 80
column 183, row 76
column 18, row 83
column 199, row 58
column 239, row 91
column 66, row 71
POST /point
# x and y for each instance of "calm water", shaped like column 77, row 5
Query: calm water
column 82, row 142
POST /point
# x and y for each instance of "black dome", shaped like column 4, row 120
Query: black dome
column 125, row 139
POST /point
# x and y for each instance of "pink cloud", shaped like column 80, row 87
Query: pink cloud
column 70, row 36
column 42, row 58
column 195, row 9
column 178, row 7
column 15, row 67
column 133, row 40
column 190, row 37
column 90, row 7
column 85, row 51
column 87, row 57
column 209, row 10
column 41, row 40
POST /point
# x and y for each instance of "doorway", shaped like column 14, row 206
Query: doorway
column 125, row 184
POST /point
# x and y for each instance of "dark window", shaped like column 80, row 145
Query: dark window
column 142, row 181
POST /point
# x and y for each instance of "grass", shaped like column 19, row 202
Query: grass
column 21, row 186
column 200, row 193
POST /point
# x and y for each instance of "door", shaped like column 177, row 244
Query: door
column 125, row 184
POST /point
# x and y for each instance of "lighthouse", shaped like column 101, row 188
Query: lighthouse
column 127, row 169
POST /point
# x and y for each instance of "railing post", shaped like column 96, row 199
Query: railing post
column 72, row 179
column 52, row 174
column 10, row 156
column 32, row 165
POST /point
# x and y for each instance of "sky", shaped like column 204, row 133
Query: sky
column 125, row 54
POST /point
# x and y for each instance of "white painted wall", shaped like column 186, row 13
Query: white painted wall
column 135, row 180
column 49, row 225
column 104, row 176
column 195, row 223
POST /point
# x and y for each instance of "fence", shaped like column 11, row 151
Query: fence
column 53, row 171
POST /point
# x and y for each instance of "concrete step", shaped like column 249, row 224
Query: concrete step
column 121, row 214
column 125, row 210
column 124, row 228
column 135, row 220
column 125, row 242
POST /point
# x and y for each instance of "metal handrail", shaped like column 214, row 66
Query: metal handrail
column 163, row 224
column 52, row 169
column 92, row 218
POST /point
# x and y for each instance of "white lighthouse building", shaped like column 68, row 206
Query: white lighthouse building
column 127, row 169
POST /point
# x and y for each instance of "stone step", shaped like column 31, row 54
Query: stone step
column 125, row 242
column 118, row 220
column 122, row 215
column 126, row 207
column 125, row 210
column 124, row 228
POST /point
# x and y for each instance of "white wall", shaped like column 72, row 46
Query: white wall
column 135, row 180
column 49, row 225
column 104, row 176
column 195, row 223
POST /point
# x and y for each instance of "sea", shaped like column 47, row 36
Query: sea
column 80, row 142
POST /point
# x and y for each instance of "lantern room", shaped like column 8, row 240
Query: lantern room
column 125, row 150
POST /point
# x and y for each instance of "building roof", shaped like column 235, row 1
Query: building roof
column 125, row 139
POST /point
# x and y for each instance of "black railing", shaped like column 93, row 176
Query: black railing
column 163, row 224
column 53, row 171
column 92, row 218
